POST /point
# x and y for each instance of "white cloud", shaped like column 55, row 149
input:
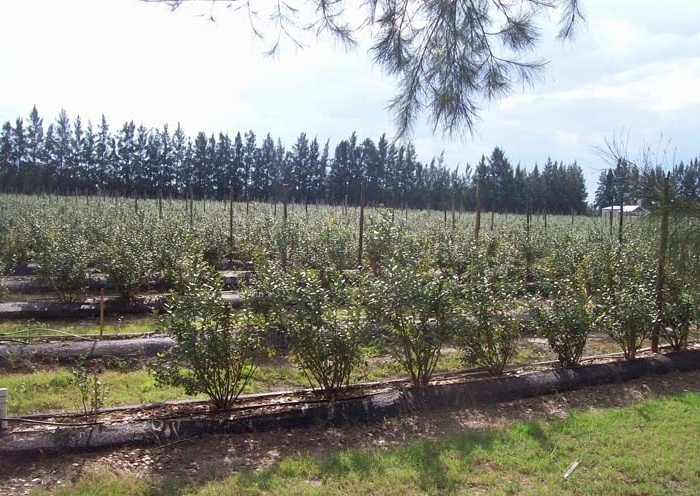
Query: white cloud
column 661, row 87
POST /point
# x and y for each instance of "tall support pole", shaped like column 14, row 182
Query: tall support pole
column 230, row 221
column 3, row 408
column 362, row 222
column 477, row 224
column 661, row 266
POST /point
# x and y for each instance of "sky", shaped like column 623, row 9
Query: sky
column 631, row 77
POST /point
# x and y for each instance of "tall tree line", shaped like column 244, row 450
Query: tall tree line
column 77, row 158
column 630, row 184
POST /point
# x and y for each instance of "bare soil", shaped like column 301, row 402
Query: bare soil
column 214, row 457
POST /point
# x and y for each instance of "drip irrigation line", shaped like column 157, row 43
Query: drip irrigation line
column 60, row 424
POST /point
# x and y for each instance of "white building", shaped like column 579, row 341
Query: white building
column 633, row 210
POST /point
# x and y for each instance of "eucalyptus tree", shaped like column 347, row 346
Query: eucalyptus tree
column 222, row 159
column 263, row 174
column 318, row 169
column 35, row 144
column 180, row 159
column 19, row 148
column 237, row 166
column 200, row 168
column 104, row 153
column 59, row 148
column 6, row 169
column 125, row 158
column 250, row 158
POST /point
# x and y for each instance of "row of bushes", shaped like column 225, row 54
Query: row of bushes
column 406, row 306
column 133, row 247
column 70, row 242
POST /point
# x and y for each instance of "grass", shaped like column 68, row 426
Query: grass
column 54, row 390
column 650, row 448
column 33, row 329
column 51, row 388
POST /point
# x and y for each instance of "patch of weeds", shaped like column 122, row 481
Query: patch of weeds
column 86, row 378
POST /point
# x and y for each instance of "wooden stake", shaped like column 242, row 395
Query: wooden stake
column 477, row 224
column 230, row 220
column 3, row 408
column 661, row 265
column 102, row 311
column 362, row 222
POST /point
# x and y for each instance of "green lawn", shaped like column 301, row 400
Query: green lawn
column 648, row 448
column 32, row 329
column 54, row 388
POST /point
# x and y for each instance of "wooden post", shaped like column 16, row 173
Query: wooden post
column 527, row 219
column 477, row 224
column 230, row 220
column 284, row 226
column 160, row 204
column 622, row 208
column 528, row 254
column 285, row 200
column 545, row 215
column 191, row 209
column 362, row 222
column 661, row 266
column 102, row 311
column 3, row 409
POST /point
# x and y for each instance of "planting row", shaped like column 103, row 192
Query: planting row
column 408, row 306
column 132, row 246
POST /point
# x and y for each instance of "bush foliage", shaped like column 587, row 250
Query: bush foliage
column 215, row 346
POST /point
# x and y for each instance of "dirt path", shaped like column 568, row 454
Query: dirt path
column 217, row 456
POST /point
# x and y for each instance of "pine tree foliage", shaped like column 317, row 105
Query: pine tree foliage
column 74, row 157
column 447, row 56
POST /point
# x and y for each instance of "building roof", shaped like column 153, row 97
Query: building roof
column 626, row 208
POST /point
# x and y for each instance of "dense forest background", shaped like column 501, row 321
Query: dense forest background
column 70, row 157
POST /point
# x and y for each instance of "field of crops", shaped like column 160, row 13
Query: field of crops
column 134, row 243
column 334, row 285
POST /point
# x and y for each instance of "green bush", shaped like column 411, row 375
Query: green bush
column 381, row 237
column 489, row 332
column 93, row 393
column 566, row 323
column 321, row 323
column 127, row 256
column 413, row 305
column 64, row 258
column 626, row 308
column 627, row 317
column 678, row 314
column 330, row 245
column 215, row 346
